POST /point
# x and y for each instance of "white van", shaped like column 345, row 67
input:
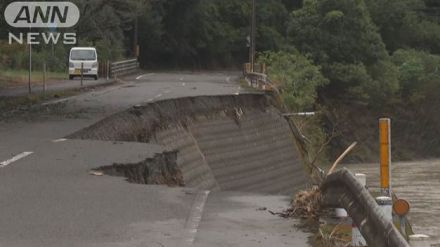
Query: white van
column 86, row 56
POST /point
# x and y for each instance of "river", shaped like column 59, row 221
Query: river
column 417, row 182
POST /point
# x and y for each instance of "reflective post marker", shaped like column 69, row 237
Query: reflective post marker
column 385, row 155
column 82, row 74
column 30, row 68
column 44, row 79
column 107, row 70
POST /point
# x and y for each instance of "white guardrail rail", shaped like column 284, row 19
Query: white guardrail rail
column 125, row 67
column 258, row 80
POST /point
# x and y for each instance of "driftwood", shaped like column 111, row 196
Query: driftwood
column 343, row 155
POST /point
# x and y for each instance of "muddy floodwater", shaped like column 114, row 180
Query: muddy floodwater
column 419, row 183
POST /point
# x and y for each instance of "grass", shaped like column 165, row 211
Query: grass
column 333, row 236
column 9, row 78
column 12, row 103
column 28, row 107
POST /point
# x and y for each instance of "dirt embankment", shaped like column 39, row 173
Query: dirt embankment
column 161, row 169
column 415, row 129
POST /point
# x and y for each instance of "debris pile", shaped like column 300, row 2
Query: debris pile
column 306, row 204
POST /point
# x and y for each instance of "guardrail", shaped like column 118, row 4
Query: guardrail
column 342, row 189
column 258, row 80
column 259, row 68
column 125, row 67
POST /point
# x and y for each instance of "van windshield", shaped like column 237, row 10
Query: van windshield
column 83, row 55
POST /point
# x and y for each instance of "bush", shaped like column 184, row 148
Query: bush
column 419, row 73
column 16, row 57
column 297, row 77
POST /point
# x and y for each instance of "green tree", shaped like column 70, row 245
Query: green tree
column 419, row 73
column 404, row 24
column 209, row 33
column 341, row 37
column 336, row 31
column 296, row 76
column 272, row 19
column 107, row 23
column 4, row 28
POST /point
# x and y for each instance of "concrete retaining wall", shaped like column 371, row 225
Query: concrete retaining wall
column 223, row 143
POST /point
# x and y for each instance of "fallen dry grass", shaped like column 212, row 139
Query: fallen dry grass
column 306, row 204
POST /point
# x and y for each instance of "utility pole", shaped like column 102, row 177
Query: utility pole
column 253, row 34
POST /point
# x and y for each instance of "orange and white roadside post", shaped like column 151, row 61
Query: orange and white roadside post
column 385, row 155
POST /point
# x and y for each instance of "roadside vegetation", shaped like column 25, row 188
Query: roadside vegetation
column 29, row 107
column 365, row 60
column 11, row 78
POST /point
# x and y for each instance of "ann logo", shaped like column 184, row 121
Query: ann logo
column 42, row 14
column 51, row 14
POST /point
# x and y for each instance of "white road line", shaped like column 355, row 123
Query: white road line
column 14, row 159
column 54, row 102
column 195, row 217
column 59, row 140
column 167, row 91
column 238, row 91
column 158, row 96
column 98, row 93
column 228, row 79
column 184, row 84
column 139, row 77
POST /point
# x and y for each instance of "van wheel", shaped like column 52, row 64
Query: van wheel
column 96, row 78
column 71, row 77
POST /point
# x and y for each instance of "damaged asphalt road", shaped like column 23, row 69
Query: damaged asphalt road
column 49, row 198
